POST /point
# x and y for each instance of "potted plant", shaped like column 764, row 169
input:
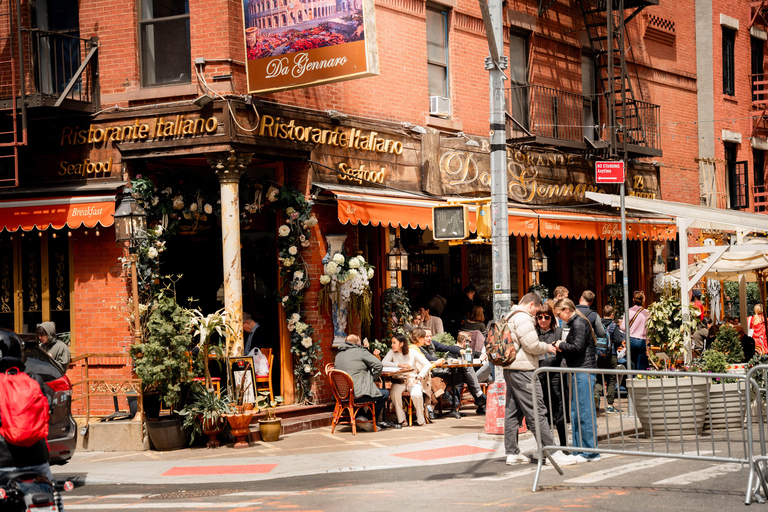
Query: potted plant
column 204, row 414
column 204, row 327
column 728, row 343
column 162, row 363
column 727, row 397
column 240, row 419
column 271, row 426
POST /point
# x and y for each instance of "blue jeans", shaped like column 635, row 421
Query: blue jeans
column 41, row 469
column 380, row 402
column 583, row 419
column 639, row 357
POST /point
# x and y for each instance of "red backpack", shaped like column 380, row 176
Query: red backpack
column 24, row 411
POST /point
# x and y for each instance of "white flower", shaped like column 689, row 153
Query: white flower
column 302, row 238
column 193, row 207
column 287, row 262
column 155, row 200
column 272, row 194
column 167, row 191
column 361, row 260
column 338, row 258
column 208, row 208
column 305, row 244
column 152, row 252
column 325, row 279
column 292, row 250
column 370, row 273
column 178, row 203
column 301, row 327
column 298, row 275
column 285, row 299
column 354, row 263
column 294, row 318
column 311, row 221
column 306, row 342
column 307, row 368
column 290, row 210
column 284, row 230
column 332, row 268
column 298, row 285
column 291, row 327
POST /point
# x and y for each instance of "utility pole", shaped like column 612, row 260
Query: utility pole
column 496, row 63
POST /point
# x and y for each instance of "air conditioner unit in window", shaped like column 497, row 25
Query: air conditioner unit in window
column 439, row 106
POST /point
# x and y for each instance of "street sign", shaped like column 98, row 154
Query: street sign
column 450, row 222
column 609, row 172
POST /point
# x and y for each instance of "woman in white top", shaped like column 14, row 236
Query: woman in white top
column 419, row 369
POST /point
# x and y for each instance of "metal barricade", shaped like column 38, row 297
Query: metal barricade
column 678, row 415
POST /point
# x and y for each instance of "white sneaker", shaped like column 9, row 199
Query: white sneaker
column 515, row 459
column 579, row 459
column 561, row 459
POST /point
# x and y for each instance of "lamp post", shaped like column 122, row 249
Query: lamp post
column 397, row 259
column 131, row 231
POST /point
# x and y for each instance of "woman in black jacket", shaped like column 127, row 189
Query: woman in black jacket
column 551, row 386
column 578, row 349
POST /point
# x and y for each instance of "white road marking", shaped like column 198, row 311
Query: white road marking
column 514, row 474
column 157, row 505
column 605, row 474
column 106, row 496
column 700, row 476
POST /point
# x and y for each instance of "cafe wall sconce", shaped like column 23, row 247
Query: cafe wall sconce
column 614, row 262
column 397, row 259
column 538, row 261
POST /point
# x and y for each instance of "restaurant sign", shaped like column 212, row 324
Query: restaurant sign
column 291, row 44
column 534, row 176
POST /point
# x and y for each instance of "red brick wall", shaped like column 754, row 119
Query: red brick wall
column 100, row 292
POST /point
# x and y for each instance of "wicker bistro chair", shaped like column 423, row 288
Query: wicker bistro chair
column 343, row 391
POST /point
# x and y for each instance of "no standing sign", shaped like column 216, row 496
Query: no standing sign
column 609, row 172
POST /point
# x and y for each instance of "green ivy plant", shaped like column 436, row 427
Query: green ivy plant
column 161, row 359
column 396, row 311
column 666, row 328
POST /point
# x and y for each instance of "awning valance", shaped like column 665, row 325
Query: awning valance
column 572, row 225
column 57, row 212
column 414, row 212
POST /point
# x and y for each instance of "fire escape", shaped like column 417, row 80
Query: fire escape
column 43, row 74
column 624, row 126
column 759, row 112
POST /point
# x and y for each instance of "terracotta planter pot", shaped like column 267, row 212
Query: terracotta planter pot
column 239, row 423
column 668, row 412
column 270, row 430
column 211, row 428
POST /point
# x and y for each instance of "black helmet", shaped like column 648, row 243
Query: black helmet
column 10, row 345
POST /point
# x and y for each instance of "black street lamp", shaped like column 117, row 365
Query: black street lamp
column 397, row 259
column 131, row 231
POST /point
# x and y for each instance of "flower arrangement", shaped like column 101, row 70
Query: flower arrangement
column 292, row 236
column 347, row 280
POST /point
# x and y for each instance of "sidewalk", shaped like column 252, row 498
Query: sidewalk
column 305, row 453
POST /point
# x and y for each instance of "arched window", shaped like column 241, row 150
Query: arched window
column 300, row 20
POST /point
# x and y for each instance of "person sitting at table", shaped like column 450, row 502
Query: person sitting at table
column 485, row 373
column 418, row 367
column 466, row 374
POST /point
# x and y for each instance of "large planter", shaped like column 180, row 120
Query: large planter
column 167, row 434
column 211, row 428
column 727, row 406
column 240, row 428
column 665, row 410
column 270, row 430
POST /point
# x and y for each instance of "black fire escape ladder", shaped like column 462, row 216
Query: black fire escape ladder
column 13, row 113
column 605, row 24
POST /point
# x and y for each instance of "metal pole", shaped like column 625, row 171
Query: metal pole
column 136, row 312
column 624, row 278
column 495, row 64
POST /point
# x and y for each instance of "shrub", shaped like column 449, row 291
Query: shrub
column 728, row 342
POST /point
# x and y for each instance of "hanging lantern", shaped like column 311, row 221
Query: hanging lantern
column 614, row 263
column 130, row 222
column 538, row 260
column 397, row 259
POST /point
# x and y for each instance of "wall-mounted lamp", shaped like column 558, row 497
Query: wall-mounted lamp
column 336, row 115
column 614, row 262
column 538, row 260
column 397, row 259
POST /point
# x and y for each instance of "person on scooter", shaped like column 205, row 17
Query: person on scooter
column 18, row 458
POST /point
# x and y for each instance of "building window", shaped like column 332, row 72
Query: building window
column 437, row 51
column 729, row 75
column 518, row 84
column 738, row 179
column 758, row 68
column 165, row 46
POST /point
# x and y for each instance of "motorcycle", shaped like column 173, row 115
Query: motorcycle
column 24, row 491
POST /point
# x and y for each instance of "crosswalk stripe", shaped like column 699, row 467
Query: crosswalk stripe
column 514, row 474
column 700, row 476
column 155, row 505
column 605, row 474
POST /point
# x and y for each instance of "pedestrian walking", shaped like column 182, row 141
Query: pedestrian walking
column 638, row 332
column 607, row 360
column 551, row 382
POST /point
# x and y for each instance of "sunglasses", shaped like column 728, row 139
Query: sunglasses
column 544, row 316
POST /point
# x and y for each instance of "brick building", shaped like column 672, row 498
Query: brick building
column 161, row 94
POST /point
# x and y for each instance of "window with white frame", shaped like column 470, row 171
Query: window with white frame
column 165, row 42
column 437, row 51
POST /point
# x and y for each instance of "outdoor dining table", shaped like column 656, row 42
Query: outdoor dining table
column 453, row 367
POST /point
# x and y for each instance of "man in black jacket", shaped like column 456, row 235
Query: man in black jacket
column 12, row 457
column 608, row 360
column 585, row 307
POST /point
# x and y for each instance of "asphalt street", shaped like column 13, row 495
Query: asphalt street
column 629, row 484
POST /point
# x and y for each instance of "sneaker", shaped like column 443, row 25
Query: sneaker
column 514, row 460
column 581, row 459
column 480, row 400
column 431, row 412
column 561, row 459
column 611, row 409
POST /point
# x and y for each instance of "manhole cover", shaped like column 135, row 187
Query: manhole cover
column 189, row 494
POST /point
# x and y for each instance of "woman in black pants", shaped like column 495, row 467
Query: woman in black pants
column 549, row 333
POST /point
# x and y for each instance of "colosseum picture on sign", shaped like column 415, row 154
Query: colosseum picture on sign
column 297, row 43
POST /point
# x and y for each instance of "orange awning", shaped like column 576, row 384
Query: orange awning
column 567, row 225
column 57, row 212
column 414, row 212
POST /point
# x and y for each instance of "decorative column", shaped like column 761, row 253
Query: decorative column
column 229, row 167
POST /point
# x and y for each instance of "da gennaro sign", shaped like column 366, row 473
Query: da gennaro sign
column 291, row 44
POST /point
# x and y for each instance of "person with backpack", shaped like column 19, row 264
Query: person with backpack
column 24, row 413
column 578, row 349
column 518, row 376
column 607, row 359
column 585, row 307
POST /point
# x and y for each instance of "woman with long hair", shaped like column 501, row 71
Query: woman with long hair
column 757, row 326
column 414, row 361
column 550, row 333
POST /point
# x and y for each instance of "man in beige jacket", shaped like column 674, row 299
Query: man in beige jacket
column 518, row 377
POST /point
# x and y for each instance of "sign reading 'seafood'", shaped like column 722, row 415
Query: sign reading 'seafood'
column 295, row 43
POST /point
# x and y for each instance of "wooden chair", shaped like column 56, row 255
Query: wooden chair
column 344, row 393
column 329, row 367
column 409, row 404
column 266, row 381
